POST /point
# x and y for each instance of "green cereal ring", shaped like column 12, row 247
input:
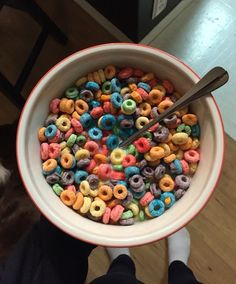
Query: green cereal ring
column 184, row 128
column 187, row 129
column 141, row 215
column 126, row 215
column 71, row 140
column 118, row 168
column 57, row 189
column 72, row 93
column 80, row 140
column 128, row 106
column 147, row 185
column 131, row 149
column 147, row 135
column 107, row 87
column 116, row 130
column 181, row 127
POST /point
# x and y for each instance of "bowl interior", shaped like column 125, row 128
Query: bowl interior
column 64, row 75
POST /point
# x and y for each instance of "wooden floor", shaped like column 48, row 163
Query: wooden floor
column 213, row 232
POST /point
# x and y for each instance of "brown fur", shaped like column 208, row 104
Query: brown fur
column 17, row 212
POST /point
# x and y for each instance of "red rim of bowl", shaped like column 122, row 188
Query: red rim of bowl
column 107, row 44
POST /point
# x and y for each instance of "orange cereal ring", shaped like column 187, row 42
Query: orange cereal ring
column 166, row 183
column 79, row 201
column 67, row 160
column 169, row 159
column 76, row 115
column 49, row 165
column 145, row 109
column 164, row 105
column 161, row 89
column 120, row 191
column 41, row 136
column 172, row 146
column 68, row 197
column 110, row 71
column 66, row 106
column 105, row 98
column 147, row 77
column 81, row 106
column 155, row 97
column 189, row 119
column 136, row 97
column 148, row 157
column 113, row 203
column 154, row 163
column 90, row 77
column 156, row 153
column 168, row 139
column 101, row 75
column 96, row 77
column 105, row 192
column 182, row 111
column 187, row 145
column 100, row 159
column 133, row 86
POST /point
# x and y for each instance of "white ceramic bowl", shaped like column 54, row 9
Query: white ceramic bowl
column 64, row 75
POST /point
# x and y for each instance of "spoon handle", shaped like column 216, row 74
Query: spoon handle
column 214, row 79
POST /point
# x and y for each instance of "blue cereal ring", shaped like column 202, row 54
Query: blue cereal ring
column 93, row 86
column 144, row 86
column 94, row 103
column 156, row 207
column 107, row 121
column 50, row 131
column 95, row 133
column 115, row 85
column 112, row 142
column 130, row 171
column 123, row 183
column 195, row 130
column 168, row 195
column 58, row 169
column 176, row 167
column 138, row 195
column 116, row 100
column 124, row 133
column 80, row 176
column 86, row 120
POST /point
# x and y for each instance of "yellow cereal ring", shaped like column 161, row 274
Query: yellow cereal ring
column 157, row 153
column 84, row 188
column 187, row 145
column 86, row 205
column 66, row 150
column 63, row 145
column 90, row 77
column 93, row 192
column 192, row 168
column 124, row 91
column 141, row 121
column 82, row 154
column 117, row 156
column 81, row 81
column 195, row 143
column 63, row 124
column 105, row 192
column 180, row 138
column 147, row 212
column 68, row 197
column 67, row 160
column 110, row 71
column 166, row 149
column 97, row 208
column 96, row 77
column 166, row 183
column 136, row 97
column 101, row 75
column 41, row 136
column 182, row 111
column 180, row 154
column 66, row 105
column 120, row 191
column 79, row 201
column 81, row 106
column 169, row 159
column 189, row 119
column 134, row 208
column 145, row 109
column 49, row 165
column 164, row 105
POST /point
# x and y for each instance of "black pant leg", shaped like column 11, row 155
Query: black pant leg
column 47, row 255
column 121, row 270
column 179, row 273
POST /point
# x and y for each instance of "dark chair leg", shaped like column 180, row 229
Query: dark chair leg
column 10, row 92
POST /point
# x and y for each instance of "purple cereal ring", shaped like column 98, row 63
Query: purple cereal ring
column 179, row 193
column 83, row 163
column 75, row 148
column 86, row 95
column 148, row 172
column 93, row 181
column 128, row 199
column 51, row 119
column 127, row 222
column 127, row 123
column 67, row 178
column 154, row 112
column 136, row 181
column 172, row 119
column 126, row 96
column 155, row 190
column 142, row 164
column 159, row 171
column 53, row 178
column 182, row 181
column 132, row 80
column 138, row 189
column 161, row 134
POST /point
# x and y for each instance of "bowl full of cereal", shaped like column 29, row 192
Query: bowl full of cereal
column 69, row 154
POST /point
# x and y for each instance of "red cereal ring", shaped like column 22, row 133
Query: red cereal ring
column 129, row 160
column 153, row 82
column 77, row 125
column 168, row 86
column 96, row 112
column 54, row 150
column 91, row 166
column 104, row 171
column 138, row 73
column 103, row 150
column 92, row 147
column 191, row 156
column 125, row 73
column 54, row 105
column 107, row 107
column 69, row 132
column 142, row 93
column 106, row 215
column 117, row 175
column 44, row 151
column 142, row 145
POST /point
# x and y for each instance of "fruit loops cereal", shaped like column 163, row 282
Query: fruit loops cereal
column 81, row 158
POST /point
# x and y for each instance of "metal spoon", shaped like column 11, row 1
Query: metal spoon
column 213, row 80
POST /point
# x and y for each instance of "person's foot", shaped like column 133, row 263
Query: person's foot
column 115, row 252
column 179, row 246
